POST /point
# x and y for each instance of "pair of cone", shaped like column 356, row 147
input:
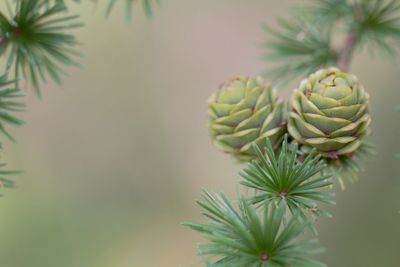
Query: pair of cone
column 328, row 112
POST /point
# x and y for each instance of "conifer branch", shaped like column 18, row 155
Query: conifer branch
column 304, row 42
column 241, row 237
column 283, row 177
column 36, row 43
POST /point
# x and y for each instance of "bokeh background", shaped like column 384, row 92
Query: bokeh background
column 114, row 161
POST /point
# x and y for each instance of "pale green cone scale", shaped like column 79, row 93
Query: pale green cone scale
column 330, row 113
column 244, row 111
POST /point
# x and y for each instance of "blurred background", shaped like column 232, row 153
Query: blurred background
column 114, row 161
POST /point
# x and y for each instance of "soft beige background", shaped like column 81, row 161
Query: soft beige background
column 114, row 161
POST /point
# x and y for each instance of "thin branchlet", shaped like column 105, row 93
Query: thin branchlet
column 283, row 177
column 243, row 236
column 36, row 41
column 306, row 42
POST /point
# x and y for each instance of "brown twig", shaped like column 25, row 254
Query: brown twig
column 346, row 53
column 3, row 40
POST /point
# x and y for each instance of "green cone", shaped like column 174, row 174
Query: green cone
column 244, row 111
column 330, row 113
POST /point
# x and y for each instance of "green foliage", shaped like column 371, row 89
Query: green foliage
column 286, row 179
column 36, row 43
column 6, row 182
column 348, row 167
column 324, row 13
column 297, row 49
column 147, row 6
column 9, row 104
column 378, row 25
column 244, row 237
column 35, row 40
column 51, row 2
column 307, row 41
